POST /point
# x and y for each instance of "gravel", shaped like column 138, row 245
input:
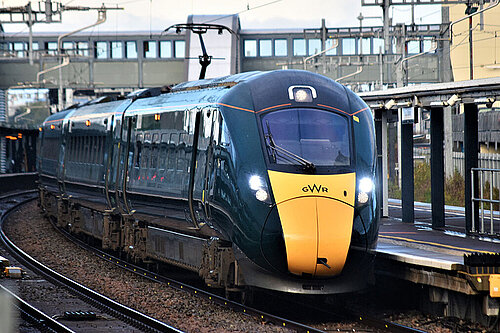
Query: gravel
column 36, row 236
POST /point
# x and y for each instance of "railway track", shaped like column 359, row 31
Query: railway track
column 361, row 319
column 10, row 202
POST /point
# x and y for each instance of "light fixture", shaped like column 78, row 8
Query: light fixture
column 255, row 182
column 390, row 104
column 365, row 186
column 257, row 185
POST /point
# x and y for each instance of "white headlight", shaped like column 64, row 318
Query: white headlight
column 255, row 182
column 362, row 197
column 365, row 185
column 261, row 195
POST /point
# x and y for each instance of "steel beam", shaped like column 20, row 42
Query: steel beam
column 437, row 167
column 381, row 137
column 407, row 183
column 378, row 136
column 471, row 152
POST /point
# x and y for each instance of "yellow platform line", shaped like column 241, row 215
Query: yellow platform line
column 435, row 244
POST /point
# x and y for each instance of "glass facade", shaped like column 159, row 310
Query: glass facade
column 265, row 48
column 131, row 50
column 314, row 46
column 165, row 49
column 180, row 48
column 280, row 47
column 116, row 50
column 250, row 47
column 149, row 49
column 299, row 47
column 101, row 50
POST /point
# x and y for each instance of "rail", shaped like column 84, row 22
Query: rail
column 135, row 318
column 238, row 307
column 483, row 202
column 32, row 314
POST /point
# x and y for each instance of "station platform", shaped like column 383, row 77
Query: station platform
column 417, row 253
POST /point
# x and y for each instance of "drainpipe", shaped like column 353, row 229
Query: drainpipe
column 360, row 69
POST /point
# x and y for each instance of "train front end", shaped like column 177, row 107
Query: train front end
column 309, row 219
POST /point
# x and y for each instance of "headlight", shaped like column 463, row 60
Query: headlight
column 257, row 185
column 365, row 187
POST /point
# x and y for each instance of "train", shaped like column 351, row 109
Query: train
column 253, row 180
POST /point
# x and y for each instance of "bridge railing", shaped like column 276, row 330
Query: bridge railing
column 485, row 203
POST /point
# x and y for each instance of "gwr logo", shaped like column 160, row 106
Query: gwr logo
column 315, row 188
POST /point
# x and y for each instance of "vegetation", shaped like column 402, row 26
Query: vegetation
column 454, row 187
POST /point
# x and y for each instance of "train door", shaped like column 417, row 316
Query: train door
column 63, row 154
column 202, row 170
column 111, row 149
column 125, row 160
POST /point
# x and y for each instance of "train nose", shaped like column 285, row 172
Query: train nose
column 316, row 221
column 317, row 235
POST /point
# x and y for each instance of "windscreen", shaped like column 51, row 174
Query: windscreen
column 311, row 135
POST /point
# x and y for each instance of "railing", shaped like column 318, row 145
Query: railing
column 486, row 203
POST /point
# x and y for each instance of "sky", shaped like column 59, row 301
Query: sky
column 154, row 15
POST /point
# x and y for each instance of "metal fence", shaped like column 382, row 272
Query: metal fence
column 486, row 201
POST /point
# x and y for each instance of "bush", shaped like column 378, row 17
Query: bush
column 454, row 187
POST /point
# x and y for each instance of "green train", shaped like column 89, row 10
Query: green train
column 259, row 179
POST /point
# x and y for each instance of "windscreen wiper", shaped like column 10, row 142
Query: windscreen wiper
column 308, row 166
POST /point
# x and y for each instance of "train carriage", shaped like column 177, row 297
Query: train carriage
column 262, row 179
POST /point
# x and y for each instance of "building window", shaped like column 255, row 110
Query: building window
column 101, row 50
column 250, row 47
column 328, row 46
column 51, row 48
column 116, row 50
column 280, row 47
column 299, row 47
column 18, row 48
column 131, row 50
column 165, row 49
column 265, row 48
column 364, row 46
column 413, row 47
column 149, row 49
column 83, row 49
column 180, row 48
column 314, row 46
column 68, row 48
column 378, row 45
column 427, row 45
column 348, row 46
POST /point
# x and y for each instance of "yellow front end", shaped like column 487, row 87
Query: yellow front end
column 316, row 213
